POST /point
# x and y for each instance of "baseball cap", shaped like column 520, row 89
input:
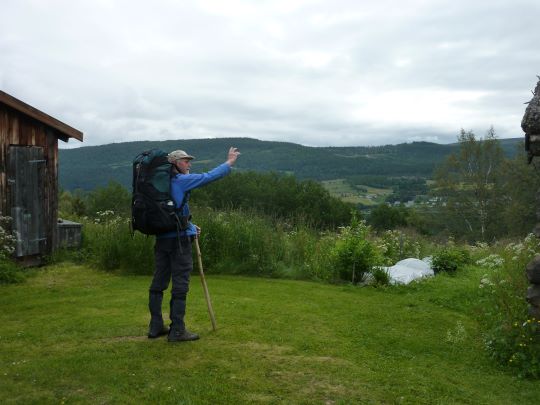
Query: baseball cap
column 177, row 155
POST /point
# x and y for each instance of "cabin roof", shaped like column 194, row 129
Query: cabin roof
column 64, row 129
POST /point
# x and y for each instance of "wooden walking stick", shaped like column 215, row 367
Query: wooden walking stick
column 205, row 287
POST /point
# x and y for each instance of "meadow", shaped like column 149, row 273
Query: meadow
column 360, row 194
column 73, row 334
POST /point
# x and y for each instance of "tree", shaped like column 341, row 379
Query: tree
column 469, row 187
column 521, row 182
column 385, row 217
column 72, row 204
column 113, row 197
column 276, row 195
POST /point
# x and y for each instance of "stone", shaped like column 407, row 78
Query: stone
column 533, row 270
column 534, row 145
column 531, row 119
column 536, row 230
column 533, row 295
column 534, row 312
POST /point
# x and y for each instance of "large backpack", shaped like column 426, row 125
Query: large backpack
column 153, row 209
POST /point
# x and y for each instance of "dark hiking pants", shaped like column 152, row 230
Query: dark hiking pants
column 174, row 262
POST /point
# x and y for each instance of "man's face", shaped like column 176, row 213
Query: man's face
column 183, row 165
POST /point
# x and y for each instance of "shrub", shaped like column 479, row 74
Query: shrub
column 380, row 276
column 354, row 254
column 9, row 271
column 7, row 240
column 395, row 246
column 450, row 259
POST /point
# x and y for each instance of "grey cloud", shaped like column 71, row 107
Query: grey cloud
column 291, row 71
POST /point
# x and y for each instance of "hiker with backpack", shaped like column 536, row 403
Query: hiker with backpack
column 172, row 250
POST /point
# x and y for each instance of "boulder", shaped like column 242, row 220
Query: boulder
column 533, row 295
column 536, row 230
column 534, row 312
column 533, row 270
column 531, row 119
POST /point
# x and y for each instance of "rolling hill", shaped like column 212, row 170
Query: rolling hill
column 91, row 166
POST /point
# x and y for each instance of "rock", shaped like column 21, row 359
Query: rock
column 536, row 230
column 533, row 270
column 531, row 120
column 534, row 145
column 534, row 312
column 533, row 295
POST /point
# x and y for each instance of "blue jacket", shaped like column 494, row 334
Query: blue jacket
column 182, row 183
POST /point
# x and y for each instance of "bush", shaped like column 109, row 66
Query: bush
column 354, row 254
column 7, row 240
column 395, row 246
column 10, row 273
column 450, row 259
column 380, row 276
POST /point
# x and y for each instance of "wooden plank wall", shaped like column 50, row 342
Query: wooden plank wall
column 18, row 129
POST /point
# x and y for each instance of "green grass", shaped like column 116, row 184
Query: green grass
column 75, row 335
column 341, row 189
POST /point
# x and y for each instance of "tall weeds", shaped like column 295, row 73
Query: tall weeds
column 511, row 337
column 232, row 242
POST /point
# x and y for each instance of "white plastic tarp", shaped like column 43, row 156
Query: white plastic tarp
column 407, row 270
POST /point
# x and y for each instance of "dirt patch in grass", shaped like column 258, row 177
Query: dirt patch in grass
column 116, row 339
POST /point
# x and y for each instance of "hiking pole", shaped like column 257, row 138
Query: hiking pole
column 205, row 287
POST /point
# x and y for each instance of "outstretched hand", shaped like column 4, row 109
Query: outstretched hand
column 232, row 156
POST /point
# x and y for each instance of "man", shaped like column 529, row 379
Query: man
column 172, row 250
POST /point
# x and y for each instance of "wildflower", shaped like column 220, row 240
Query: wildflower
column 493, row 261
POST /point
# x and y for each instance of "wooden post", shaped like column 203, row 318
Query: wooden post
column 205, row 287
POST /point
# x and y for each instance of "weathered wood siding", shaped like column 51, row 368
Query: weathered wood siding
column 17, row 129
column 26, row 185
column 69, row 234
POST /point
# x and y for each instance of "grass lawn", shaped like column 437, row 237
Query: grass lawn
column 75, row 335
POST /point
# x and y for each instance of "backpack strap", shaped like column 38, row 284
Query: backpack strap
column 187, row 194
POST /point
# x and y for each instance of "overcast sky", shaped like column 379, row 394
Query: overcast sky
column 318, row 73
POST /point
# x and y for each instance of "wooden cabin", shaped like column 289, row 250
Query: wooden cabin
column 29, row 175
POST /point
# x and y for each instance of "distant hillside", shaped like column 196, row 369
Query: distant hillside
column 91, row 166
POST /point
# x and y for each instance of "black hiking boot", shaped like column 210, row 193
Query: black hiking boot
column 157, row 331
column 182, row 336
